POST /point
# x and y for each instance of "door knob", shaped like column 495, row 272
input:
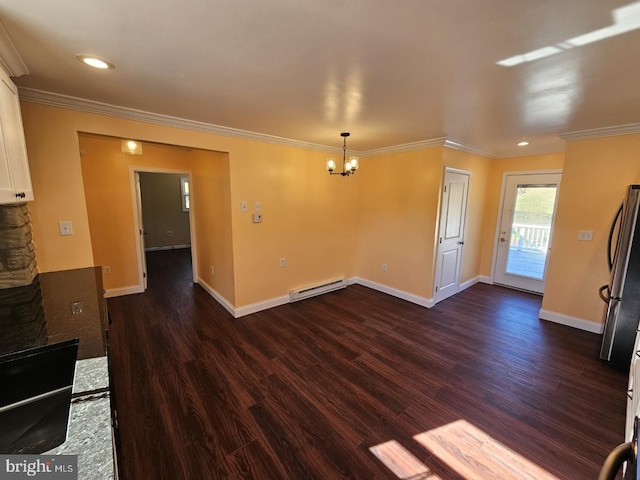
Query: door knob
column 460, row 243
column 502, row 239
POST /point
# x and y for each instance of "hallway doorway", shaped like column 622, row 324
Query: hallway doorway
column 163, row 207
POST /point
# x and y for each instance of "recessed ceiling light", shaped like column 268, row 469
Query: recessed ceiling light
column 95, row 62
column 523, row 143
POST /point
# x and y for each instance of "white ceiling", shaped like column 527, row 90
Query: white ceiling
column 391, row 73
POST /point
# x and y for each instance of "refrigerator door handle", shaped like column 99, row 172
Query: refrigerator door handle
column 617, row 218
column 610, row 327
column 605, row 298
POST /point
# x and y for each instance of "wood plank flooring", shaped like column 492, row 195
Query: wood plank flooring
column 327, row 387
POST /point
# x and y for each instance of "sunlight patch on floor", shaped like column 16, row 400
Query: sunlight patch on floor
column 401, row 462
column 467, row 450
column 475, row 455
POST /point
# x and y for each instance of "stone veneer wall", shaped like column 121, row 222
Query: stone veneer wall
column 22, row 320
column 18, row 266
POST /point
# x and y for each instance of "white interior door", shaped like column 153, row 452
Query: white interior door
column 453, row 213
column 525, row 230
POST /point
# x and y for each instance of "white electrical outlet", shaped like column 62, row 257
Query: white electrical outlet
column 169, row 233
column 66, row 228
column 107, row 270
column 384, row 267
column 283, row 262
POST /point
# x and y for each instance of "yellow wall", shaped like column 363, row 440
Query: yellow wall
column 596, row 174
column 54, row 160
column 309, row 218
column 211, row 207
column 110, row 212
column 110, row 206
column 493, row 191
column 325, row 227
column 480, row 168
column 399, row 209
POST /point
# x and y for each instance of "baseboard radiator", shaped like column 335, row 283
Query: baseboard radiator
column 296, row 295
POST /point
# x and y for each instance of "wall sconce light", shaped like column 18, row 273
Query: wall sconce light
column 347, row 167
column 131, row 147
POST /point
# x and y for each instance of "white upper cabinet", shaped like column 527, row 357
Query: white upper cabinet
column 15, row 179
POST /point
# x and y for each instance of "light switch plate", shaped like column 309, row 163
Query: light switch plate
column 585, row 235
column 257, row 217
column 257, row 207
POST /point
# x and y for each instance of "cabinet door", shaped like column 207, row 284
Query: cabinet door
column 13, row 135
column 7, row 194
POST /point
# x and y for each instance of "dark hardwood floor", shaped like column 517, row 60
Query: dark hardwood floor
column 305, row 390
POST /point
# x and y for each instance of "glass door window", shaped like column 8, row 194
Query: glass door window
column 531, row 230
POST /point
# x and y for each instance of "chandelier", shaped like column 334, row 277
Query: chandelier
column 347, row 167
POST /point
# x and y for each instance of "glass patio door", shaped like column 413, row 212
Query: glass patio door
column 526, row 227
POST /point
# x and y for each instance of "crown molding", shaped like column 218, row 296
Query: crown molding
column 100, row 108
column 469, row 149
column 10, row 59
column 406, row 147
column 91, row 106
column 630, row 129
column 520, row 152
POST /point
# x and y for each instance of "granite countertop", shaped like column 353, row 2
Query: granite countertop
column 90, row 435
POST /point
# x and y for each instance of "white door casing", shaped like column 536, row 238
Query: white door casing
column 140, row 229
column 136, row 200
column 453, row 211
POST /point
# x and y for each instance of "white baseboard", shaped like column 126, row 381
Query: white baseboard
column 238, row 312
column 469, row 283
column 569, row 321
column 409, row 297
column 485, row 279
column 167, row 247
column 272, row 302
column 217, row 297
column 259, row 306
column 121, row 291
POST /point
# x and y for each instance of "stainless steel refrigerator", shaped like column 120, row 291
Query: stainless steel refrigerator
column 622, row 294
